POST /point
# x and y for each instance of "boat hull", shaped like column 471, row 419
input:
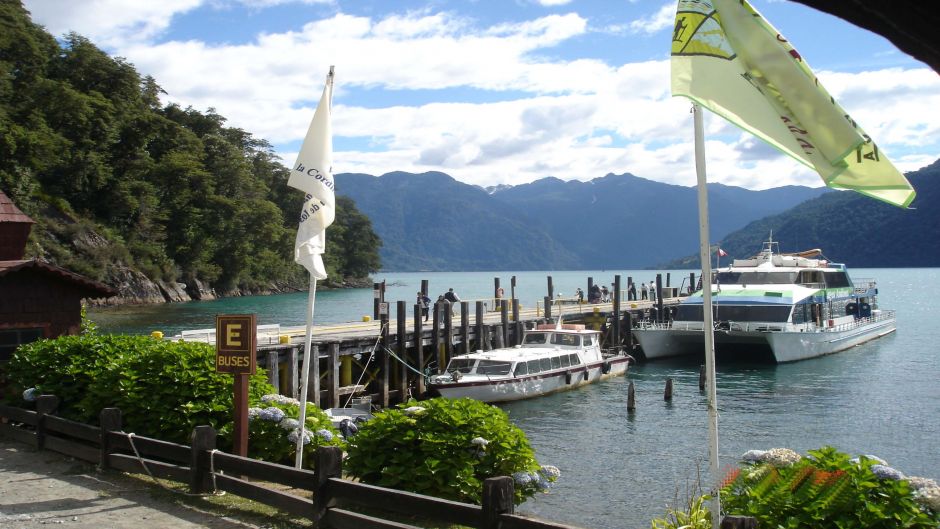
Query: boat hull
column 784, row 346
column 506, row 389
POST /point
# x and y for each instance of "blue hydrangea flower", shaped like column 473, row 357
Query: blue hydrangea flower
column 289, row 424
column 543, row 484
column 280, row 399
column 31, row 394
column 550, row 472
column 886, row 472
column 522, row 478
column 292, row 437
column 272, row 414
column 253, row 413
column 753, row 456
column 876, row 459
column 325, row 434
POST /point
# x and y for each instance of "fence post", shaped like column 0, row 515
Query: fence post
column 45, row 405
column 110, row 421
column 329, row 464
column 200, row 473
column 497, row 499
column 738, row 522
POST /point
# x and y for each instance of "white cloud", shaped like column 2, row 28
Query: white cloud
column 662, row 19
column 108, row 22
column 544, row 116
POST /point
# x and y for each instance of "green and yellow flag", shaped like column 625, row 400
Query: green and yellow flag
column 730, row 60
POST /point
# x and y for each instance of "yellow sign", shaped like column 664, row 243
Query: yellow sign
column 235, row 343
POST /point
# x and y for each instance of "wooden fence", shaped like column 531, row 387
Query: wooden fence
column 331, row 502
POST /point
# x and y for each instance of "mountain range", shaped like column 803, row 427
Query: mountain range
column 850, row 228
column 430, row 221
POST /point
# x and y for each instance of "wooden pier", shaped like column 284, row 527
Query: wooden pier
column 386, row 359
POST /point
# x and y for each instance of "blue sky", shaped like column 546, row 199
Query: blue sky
column 493, row 91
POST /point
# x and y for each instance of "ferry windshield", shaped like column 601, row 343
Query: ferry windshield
column 462, row 365
column 565, row 339
column 537, row 337
column 492, row 367
column 756, row 278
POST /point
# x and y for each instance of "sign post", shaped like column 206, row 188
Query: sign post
column 236, row 345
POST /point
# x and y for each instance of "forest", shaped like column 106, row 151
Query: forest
column 121, row 185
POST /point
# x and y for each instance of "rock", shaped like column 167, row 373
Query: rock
column 200, row 291
column 173, row 292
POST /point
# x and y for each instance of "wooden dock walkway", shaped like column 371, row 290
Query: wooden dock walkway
column 387, row 359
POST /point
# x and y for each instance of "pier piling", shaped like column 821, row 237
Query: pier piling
column 701, row 377
column 667, row 395
column 631, row 397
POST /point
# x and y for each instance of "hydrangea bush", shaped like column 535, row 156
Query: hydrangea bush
column 164, row 389
column 827, row 489
column 273, row 428
column 446, row 448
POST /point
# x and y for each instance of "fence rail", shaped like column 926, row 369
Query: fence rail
column 331, row 502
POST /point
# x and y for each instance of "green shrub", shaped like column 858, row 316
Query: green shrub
column 164, row 389
column 694, row 515
column 273, row 427
column 827, row 489
column 446, row 448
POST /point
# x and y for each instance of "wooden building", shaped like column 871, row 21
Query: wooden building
column 37, row 299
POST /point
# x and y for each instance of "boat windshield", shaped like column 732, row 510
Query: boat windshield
column 462, row 365
column 756, row 278
column 566, row 339
column 536, row 338
column 492, row 367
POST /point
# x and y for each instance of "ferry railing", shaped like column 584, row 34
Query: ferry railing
column 770, row 326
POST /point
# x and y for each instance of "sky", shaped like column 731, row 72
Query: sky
column 494, row 91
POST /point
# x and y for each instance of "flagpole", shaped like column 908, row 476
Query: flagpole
column 707, row 320
column 311, row 298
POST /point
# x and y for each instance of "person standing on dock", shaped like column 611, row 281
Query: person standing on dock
column 452, row 298
column 652, row 291
column 424, row 302
column 643, row 291
column 631, row 293
column 580, row 294
column 605, row 294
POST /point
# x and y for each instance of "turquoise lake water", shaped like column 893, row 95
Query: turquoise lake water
column 621, row 470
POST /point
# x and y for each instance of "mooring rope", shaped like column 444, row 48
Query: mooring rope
column 369, row 361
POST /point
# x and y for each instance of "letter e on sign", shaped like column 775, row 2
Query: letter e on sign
column 236, row 343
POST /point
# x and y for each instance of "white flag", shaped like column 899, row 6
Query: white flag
column 313, row 174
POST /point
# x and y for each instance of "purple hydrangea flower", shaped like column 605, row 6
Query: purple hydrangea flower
column 31, row 394
column 289, row 424
column 550, row 472
column 522, row 478
column 272, row 414
column 886, row 472
column 325, row 434
column 253, row 413
column 292, row 437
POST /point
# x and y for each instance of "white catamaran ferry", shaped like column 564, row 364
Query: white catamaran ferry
column 551, row 358
column 789, row 305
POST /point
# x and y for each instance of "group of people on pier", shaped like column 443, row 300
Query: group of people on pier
column 424, row 301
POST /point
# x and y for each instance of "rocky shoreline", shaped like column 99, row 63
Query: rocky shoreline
column 135, row 288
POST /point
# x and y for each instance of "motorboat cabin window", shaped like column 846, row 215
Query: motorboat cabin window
column 836, row 279
column 461, row 365
column 533, row 366
column 556, row 362
column 535, row 338
column 546, row 364
column 521, row 369
column 574, row 359
column 492, row 367
column 588, row 340
column 755, row 278
column 565, row 360
column 565, row 339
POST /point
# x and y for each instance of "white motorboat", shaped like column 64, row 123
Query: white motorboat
column 550, row 358
column 789, row 305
